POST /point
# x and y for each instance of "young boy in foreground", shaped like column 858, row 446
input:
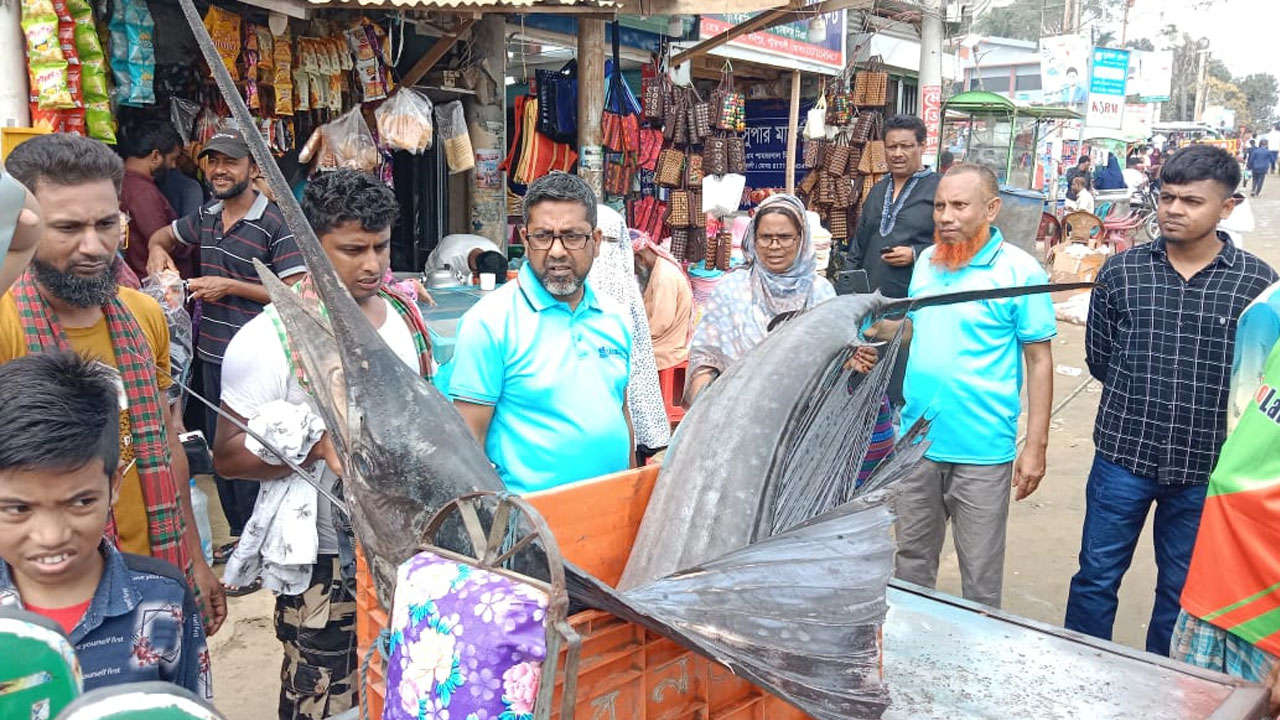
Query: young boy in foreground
column 131, row 618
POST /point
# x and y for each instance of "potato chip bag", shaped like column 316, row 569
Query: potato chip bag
column 224, row 28
column 49, row 83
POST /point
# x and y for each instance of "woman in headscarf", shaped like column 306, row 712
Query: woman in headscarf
column 668, row 299
column 1110, row 177
column 780, row 276
column 613, row 275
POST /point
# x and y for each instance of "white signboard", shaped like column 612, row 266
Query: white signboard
column 1107, row 88
column 1064, row 70
column 1150, row 75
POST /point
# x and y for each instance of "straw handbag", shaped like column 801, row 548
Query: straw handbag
column 737, row 154
column 680, row 243
column 670, row 171
column 715, row 155
column 712, row 250
column 678, row 214
column 699, row 117
column 837, row 159
column 809, row 183
column 693, row 170
column 698, row 219
column 843, row 194
column 839, row 224
column 724, row 251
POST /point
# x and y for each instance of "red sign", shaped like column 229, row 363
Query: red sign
column 931, row 111
column 783, row 40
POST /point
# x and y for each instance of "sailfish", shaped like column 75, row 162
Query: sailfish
column 774, row 566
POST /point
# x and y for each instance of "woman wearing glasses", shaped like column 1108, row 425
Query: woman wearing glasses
column 780, row 276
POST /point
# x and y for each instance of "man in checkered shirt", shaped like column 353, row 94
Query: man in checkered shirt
column 1162, row 323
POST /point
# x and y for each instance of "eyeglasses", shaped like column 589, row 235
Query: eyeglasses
column 543, row 240
column 783, row 241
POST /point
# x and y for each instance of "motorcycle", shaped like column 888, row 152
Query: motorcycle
column 1143, row 203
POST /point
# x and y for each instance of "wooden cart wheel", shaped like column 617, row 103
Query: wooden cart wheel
column 499, row 526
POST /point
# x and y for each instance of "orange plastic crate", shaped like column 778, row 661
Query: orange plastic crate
column 624, row 671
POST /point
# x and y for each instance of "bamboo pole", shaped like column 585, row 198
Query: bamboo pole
column 591, row 102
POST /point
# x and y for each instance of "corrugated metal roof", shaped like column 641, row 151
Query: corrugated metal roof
column 478, row 5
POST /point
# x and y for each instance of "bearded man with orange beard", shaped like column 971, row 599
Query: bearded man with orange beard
column 965, row 373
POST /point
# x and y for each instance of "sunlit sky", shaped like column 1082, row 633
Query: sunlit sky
column 1244, row 34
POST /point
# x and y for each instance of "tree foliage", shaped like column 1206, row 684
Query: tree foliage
column 1260, row 91
column 1024, row 19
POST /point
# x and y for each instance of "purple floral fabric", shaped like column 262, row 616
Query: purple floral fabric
column 466, row 644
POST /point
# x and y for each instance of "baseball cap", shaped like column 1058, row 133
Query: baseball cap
column 228, row 142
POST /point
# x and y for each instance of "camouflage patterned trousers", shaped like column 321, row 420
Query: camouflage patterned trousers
column 318, row 629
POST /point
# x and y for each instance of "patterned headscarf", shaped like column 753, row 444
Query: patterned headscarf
column 778, row 293
column 641, row 240
column 737, row 315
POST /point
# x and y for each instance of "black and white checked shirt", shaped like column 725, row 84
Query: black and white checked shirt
column 1162, row 347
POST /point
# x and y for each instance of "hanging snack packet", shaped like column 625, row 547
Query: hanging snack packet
column 224, row 28
column 266, row 53
column 99, row 123
column 93, row 82
column 371, row 87
column 251, row 95
column 302, row 92
column 73, row 84
column 50, row 121
column 74, row 122
column 67, row 41
column 40, row 28
column 50, row 87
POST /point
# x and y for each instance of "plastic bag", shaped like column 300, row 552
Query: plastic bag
column 815, row 126
column 722, row 194
column 183, row 113
column 343, row 143
column 167, row 290
column 452, row 124
column 405, row 121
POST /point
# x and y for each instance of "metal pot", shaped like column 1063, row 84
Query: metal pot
column 442, row 278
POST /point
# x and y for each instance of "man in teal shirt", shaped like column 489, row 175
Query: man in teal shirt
column 965, row 374
column 541, row 364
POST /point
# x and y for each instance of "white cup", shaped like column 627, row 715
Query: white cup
column 488, row 281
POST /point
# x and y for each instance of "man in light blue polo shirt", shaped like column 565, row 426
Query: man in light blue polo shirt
column 965, row 373
column 541, row 364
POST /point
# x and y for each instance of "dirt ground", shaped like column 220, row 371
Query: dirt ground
column 1043, row 542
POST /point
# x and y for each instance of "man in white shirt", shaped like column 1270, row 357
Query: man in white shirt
column 467, row 256
column 1273, row 142
column 292, row 539
column 1135, row 173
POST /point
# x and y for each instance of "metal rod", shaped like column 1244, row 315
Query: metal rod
column 313, row 481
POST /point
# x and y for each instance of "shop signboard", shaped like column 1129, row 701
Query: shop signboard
column 1064, row 70
column 766, row 141
column 796, row 45
column 1107, row 88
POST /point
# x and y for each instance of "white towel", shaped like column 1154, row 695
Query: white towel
column 280, row 540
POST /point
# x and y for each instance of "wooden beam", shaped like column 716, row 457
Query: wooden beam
column 437, row 51
column 758, row 22
column 591, row 82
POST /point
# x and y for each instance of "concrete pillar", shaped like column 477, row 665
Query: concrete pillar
column 929, row 98
column 14, row 98
column 591, row 52
column 486, row 119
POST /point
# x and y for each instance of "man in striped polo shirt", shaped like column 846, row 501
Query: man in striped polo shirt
column 238, row 226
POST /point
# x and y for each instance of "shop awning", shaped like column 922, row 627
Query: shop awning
column 621, row 7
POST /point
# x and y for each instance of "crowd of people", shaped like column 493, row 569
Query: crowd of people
column 555, row 373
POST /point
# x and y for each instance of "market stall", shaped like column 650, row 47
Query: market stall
column 992, row 130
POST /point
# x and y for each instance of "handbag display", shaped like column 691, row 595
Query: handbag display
column 737, row 147
column 650, row 148
column 842, row 194
column 838, row 224
column 809, row 183
column 678, row 213
column 827, row 189
column 655, row 95
column 871, row 88
column 693, row 171
column 558, row 102
column 711, row 251
column 699, row 117
column 698, row 218
column 724, row 251
column 879, row 159
column 730, row 106
column 815, row 125
column 680, row 243
column 837, row 158
column 618, row 176
column 670, row 168
column 864, row 127
column 715, row 155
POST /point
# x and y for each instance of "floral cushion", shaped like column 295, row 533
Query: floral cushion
column 466, row 643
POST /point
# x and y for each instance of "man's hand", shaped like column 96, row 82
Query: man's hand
column 210, row 288
column 423, row 295
column 1028, row 471
column 900, row 256
column 324, row 450
column 864, row 358
column 214, row 595
column 159, row 260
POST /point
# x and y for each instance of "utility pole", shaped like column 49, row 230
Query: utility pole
column 929, row 90
column 591, row 102
column 1066, row 17
column 1202, row 91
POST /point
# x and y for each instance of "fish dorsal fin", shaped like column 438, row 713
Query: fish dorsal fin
column 781, row 318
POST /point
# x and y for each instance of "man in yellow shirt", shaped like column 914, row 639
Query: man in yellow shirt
column 69, row 299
